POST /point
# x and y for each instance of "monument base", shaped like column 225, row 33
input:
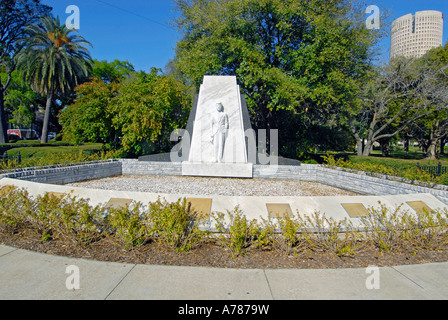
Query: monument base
column 222, row 170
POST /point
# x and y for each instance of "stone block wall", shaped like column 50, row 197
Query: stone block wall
column 68, row 174
column 305, row 172
column 359, row 182
column 369, row 184
column 135, row 167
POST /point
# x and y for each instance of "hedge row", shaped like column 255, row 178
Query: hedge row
column 77, row 221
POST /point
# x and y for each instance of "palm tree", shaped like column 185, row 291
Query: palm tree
column 55, row 61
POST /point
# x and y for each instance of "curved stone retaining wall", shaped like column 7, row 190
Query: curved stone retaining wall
column 359, row 182
column 355, row 181
column 67, row 174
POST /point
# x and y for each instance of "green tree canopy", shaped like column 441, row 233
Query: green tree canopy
column 21, row 102
column 296, row 60
column 15, row 16
column 128, row 115
column 89, row 118
column 55, row 60
column 433, row 128
column 114, row 71
column 406, row 92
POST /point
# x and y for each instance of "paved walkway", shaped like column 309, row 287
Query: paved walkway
column 30, row 275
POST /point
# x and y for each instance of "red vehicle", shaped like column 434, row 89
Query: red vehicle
column 25, row 134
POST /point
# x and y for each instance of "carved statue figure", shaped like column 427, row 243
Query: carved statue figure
column 220, row 129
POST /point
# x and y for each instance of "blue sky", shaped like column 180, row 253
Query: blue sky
column 138, row 30
column 134, row 30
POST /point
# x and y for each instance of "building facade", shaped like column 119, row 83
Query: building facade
column 414, row 35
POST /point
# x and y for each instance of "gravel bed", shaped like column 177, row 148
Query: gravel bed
column 213, row 186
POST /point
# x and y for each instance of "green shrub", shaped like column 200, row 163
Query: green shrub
column 383, row 227
column 77, row 221
column 426, row 230
column 174, row 223
column 238, row 233
column 43, row 218
column 15, row 209
column 66, row 217
column 127, row 225
column 328, row 235
column 74, row 220
column 443, row 179
column 264, row 236
column 398, row 229
column 287, row 239
column 52, row 217
column 393, row 167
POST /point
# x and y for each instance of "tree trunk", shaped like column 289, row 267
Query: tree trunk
column 406, row 145
column 442, row 145
column 385, row 148
column 363, row 149
column 44, row 138
column 431, row 153
column 359, row 147
column 367, row 148
column 3, row 122
column 359, row 140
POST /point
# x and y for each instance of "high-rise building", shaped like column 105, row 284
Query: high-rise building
column 414, row 35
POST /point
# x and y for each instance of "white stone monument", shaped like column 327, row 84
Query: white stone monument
column 218, row 143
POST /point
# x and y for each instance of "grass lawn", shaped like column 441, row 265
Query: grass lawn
column 399, row 163
column 51, row 154
column 398, row 158
column 48, row 151
column 396, row 163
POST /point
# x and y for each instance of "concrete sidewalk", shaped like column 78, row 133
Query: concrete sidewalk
column 26, row 275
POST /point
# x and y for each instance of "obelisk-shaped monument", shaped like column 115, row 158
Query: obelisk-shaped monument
column 218, row 143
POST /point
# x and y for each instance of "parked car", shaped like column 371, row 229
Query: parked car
column 13, row 138
column 51, row 135
column 23, row 134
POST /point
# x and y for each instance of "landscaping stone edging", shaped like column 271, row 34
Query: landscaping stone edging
column 68, row 173
column 355, row 181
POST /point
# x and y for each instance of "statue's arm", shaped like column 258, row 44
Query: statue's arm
column 213, row 129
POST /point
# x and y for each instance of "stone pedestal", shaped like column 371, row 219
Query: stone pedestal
column 223, row 170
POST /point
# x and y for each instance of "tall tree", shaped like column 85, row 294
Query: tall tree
column 21, row 102
column 296, row 60
column 394, row 98
column 114, row 71
column 148, row 109
column 15, row 15
column 89, row 118
column 132, row 115
column 55, row 60
column 435, row 126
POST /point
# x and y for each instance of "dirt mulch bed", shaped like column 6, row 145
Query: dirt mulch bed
column 213, row 254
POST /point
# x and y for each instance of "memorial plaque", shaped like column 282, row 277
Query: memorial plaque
column 202, row 207
column 115, row 203
column 355, row 210
column 277, row 210
column 6, row 189
column 420, row 207
column 57, row 195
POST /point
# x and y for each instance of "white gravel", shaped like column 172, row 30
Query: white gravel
column 213, row 186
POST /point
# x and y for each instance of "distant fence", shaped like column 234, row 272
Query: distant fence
column 5, row 158
column 436, row 171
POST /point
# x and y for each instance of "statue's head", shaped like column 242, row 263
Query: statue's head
column 219, row 107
